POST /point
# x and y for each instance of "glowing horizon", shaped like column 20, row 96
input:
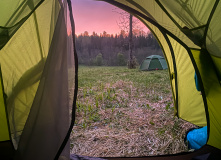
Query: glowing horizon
column 95, row 16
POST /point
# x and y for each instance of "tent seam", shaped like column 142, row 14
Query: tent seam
column 21, row 22
column 167, row 13
column 6, row 110
column 24, row 18
column 209, row 20
column 175, row 70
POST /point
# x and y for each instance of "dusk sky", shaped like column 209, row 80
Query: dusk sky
column 98, row 16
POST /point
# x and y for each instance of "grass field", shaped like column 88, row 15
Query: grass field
column 122, row 112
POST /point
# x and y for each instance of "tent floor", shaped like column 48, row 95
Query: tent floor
column 205, row 153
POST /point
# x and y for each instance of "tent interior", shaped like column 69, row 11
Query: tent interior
column 37, row 55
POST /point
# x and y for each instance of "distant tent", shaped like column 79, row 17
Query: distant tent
column 153, row 62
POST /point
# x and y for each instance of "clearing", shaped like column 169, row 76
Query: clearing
column 122, row 112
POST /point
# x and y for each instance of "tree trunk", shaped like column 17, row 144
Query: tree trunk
column 130, row 61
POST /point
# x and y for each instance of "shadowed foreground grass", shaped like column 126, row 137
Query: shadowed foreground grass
column 122, row 112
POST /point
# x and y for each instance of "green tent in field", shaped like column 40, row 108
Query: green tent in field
column 153, row 62
column 38, row 64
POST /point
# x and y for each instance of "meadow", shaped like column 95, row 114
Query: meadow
column 126, row 112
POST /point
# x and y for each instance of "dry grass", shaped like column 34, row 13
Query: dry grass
column 121, row 119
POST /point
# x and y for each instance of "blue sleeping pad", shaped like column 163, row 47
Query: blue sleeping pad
column 197, row 137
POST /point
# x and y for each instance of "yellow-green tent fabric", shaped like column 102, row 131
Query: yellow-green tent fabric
column 35, row 70
column 190, row 36
column 4, row 132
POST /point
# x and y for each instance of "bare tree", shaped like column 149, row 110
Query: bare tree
column 124, row 21
column 128, row 23
column 130, row 62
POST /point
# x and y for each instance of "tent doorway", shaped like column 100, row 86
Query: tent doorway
column 122, row 112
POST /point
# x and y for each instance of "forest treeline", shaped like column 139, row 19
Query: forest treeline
column 112, row 50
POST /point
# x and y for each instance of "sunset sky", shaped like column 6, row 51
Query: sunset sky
column 92, row 15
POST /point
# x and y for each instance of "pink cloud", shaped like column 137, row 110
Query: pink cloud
column 98, row 16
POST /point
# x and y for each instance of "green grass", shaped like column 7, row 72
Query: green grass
column 89, row 76
column 155, row 81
